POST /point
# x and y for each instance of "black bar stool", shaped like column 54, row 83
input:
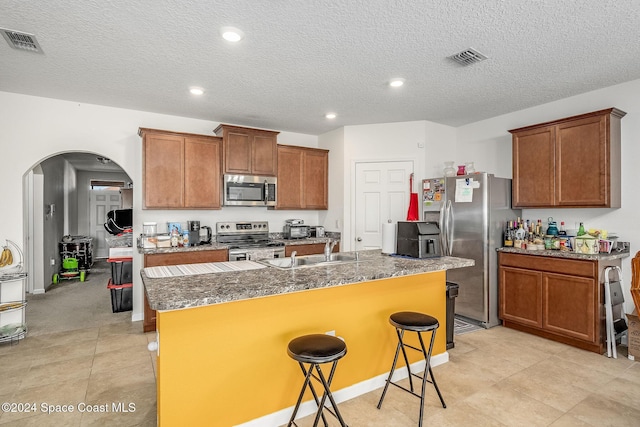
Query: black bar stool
column 415, row 322
column 315, row 350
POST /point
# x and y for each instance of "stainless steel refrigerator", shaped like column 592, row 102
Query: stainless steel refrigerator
column 472, row 211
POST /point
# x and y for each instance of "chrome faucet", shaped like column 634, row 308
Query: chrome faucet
column 328, row 248
column 293, row 258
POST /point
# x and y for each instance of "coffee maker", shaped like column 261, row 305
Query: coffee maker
column 194, row 232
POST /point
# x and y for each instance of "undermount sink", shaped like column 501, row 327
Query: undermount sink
column 309, row 261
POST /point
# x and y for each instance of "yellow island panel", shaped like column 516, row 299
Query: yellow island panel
column 226, row 364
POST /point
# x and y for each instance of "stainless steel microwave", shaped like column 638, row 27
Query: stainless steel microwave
column 249, row 190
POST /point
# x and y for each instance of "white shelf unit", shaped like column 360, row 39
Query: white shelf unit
column 12, row 306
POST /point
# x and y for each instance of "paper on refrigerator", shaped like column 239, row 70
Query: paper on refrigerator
column 464, row 190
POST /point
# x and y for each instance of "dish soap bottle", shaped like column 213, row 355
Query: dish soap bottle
column 581, row 231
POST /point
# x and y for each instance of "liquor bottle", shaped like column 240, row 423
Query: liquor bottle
column 562, row 231
column 508, row 240
column 581, row 231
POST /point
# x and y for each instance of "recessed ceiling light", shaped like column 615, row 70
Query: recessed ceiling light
column 330, row 115
column 196, row 91
column 396, row 82
column 231, row 34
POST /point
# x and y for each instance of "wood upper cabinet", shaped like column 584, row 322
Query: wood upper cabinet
column 248, row 151
column 572, row 162
column 180, row 171
column 303, row 178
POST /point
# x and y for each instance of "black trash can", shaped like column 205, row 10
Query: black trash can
column 452, row 293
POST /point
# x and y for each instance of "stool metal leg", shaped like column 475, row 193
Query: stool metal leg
column 307, row 382
column 393, row 368
column 427, row 368
column 400, row 333
column 425, row 375
column 326, row 383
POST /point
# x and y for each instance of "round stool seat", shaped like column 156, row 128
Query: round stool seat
column 316, row 348
column 412, row 321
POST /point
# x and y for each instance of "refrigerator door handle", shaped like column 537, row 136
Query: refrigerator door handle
column 449, row 221
column 443, row 230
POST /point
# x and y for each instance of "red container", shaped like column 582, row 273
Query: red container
column 121, row 296
column 121, row 270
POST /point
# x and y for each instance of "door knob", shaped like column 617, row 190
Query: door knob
column 359, row 239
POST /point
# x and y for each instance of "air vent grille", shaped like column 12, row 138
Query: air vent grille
column 468, row 57
column 21, row 41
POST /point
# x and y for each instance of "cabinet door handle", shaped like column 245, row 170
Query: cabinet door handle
column 359, row 239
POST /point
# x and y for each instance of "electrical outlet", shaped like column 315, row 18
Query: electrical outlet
column 332, row 333
column 52, row 261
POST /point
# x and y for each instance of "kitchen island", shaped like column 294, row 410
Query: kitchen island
column 222, row 337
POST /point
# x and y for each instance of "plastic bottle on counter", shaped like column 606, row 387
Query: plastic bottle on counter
column 174, row 238
column 581, row 231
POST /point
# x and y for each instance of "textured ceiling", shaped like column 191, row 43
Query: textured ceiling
column 302, row 59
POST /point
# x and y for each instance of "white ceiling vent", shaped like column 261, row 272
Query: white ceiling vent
column 21, row 41
column 468, row 57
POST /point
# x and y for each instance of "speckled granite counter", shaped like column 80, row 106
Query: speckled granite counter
column 192, row 291
column 567, row 254
column 216, row 246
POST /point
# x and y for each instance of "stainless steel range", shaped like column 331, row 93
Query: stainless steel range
column 248, row 240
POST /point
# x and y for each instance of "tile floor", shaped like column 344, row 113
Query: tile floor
column 502, row 377
column 495, row 377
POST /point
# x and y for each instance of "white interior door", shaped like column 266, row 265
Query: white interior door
column 381, row 194
column 101, row 202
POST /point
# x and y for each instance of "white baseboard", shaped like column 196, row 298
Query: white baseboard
column 137, row 317
column 307, row 408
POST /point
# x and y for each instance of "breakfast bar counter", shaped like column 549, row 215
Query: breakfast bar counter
column 222, row 336
column 183, row 291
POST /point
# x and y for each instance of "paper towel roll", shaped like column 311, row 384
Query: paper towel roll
column 389, row 238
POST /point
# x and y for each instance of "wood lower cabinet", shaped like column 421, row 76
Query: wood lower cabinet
column 180, row 171
column 571, row 306
column 521, row 296
column 556, row 298
column 303, row 178
column 308, row 249
column 175, row 258
column 248, row 151
column 571, row 162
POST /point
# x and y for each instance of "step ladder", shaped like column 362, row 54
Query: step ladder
column 616, row 322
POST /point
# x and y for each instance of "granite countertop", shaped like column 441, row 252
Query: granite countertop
column 217, row 246
column 206, row 289
column 615, row 254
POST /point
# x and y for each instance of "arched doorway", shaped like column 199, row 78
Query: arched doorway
column 58, row 202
